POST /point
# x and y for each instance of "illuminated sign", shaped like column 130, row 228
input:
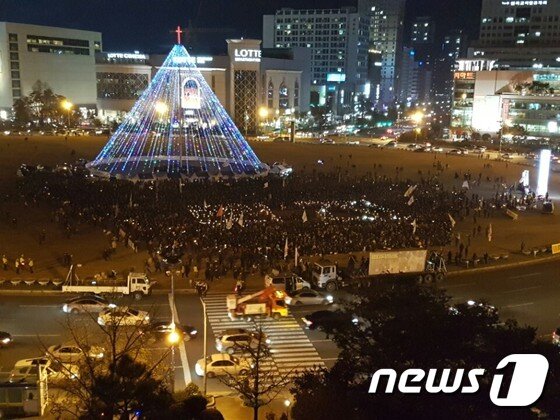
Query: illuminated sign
column 127, row 56
column 190, row 95
column 544, row 171
column 247, row 55
column 548, row 77
column 336, row 77
column 192, row 60
column 464, row 75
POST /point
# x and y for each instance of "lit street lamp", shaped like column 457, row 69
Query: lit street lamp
column 263, row 115
column 67, row 105
column 287, row 403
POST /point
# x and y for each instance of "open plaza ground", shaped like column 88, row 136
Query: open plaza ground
column 31, row 230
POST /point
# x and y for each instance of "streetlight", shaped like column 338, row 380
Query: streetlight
column 287, row 403
column 263, row 114
column 417, row 117
column 205, row 350
column 173, row 339
column 161, row 107
column 67, row 105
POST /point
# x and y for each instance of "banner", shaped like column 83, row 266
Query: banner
column 511, row 214
column 190, row 94
column 555, row 248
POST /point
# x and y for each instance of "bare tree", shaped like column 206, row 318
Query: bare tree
column 259, row 386
column 118, row 374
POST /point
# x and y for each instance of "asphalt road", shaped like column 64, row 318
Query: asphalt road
column 528, row 294
column 37, row 322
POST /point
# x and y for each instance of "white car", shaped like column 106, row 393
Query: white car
column 85, row 304
column 309, row 297
column 222, row 364
column 123, row 316
column 71, row 353
column 353, row 142
column 280, row 169
column 27, row 370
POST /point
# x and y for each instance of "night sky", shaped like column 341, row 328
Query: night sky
column 145, row 25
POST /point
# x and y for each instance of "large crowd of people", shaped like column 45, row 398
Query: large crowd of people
column 254, row 224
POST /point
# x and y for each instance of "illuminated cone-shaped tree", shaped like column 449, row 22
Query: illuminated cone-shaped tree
column 178, row 126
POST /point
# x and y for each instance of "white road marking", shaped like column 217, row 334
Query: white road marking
column 40, row 306
column 35, row 335
column 521, row 290
column 452, row 286
column 525, row 275
column 320, row 341
column 518, row 305
column 182, row 350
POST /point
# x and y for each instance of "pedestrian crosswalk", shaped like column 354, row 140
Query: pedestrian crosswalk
column 290, row 348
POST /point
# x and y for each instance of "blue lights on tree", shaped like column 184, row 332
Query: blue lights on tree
column 178, row 126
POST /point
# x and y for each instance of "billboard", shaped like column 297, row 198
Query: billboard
column 190, row 94
column 394, row 262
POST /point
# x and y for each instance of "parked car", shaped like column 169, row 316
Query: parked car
column 506, row 156
column 455, row 152
column 391, row 145
column 412, row 146
column 309, row 297
column 222, row 364
column 234, row 339
column 27, row 370
column 280, row 169
column 71, row 353
column 160, row 330
column 123, row 316
column 5, row 339
column 326, row 141
column 353, row 142
column 92, row 303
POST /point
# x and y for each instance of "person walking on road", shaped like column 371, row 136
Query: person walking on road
column 30, row 265
column 5, row 262
column 17, row 265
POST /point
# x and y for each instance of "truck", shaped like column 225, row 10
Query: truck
column 136, row 284
column 414, row 264
column 269, row 302
column 289, row 282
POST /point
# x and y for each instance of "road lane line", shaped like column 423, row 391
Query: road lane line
column 35, row 335
column 182, row 350
column 321, row 341
column 522, row 289
column 518, row 305
column 525, row 275
column 39, row 306
column 452, row 286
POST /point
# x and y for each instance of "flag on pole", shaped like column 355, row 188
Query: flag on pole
column 266, row 184
column 411, row 200
column 286, row 248
column 414, row 225
column 466, row 184
column 220, row 212
column 229, row 223
column 240, row 220
column 452, row 220
column 295, row 257
column 304, row 217
column 410, row 190
column 489, row 232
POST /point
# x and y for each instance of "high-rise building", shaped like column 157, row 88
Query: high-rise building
column 408, row 82
column 519, row 30
column 454, row 46
column 338, row 39
column 62, row 58
column 422, row 39
column 386, row 37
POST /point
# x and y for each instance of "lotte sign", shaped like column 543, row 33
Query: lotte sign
column 245, row 54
